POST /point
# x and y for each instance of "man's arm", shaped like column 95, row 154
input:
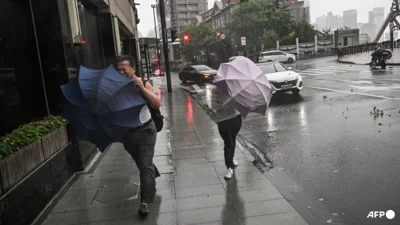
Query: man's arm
column 149, row 94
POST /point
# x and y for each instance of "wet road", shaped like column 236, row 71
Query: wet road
column 328, row 141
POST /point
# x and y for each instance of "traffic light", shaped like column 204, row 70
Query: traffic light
column 174, row 35
column 186, row 39
column 218, row 36
column 156, row 59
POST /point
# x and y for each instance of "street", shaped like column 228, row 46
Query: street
column 327, row 145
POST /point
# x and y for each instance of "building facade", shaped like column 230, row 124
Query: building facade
column 185, row 12
column 219, row 15
column 350, row 19
column 299, row 10
column 344, row 38
column 45, row 45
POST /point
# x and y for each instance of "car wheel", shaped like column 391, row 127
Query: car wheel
column 290, row 60
column 296, row 91
column 183, row 80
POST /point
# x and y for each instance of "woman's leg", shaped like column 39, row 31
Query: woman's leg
column 225, row 131
column 236, row 126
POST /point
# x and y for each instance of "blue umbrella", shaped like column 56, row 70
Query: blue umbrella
column 108, row 91
column 102, row 105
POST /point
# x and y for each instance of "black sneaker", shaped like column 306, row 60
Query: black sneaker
column 143, row 210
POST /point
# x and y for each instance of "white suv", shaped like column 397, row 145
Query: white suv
column 276, row 56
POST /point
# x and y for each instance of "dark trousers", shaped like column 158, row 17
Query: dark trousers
column 140, row 144
column 228, row 129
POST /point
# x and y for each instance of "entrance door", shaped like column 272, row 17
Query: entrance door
column 345, row 41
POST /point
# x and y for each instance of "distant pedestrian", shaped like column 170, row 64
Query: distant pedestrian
column 140, row 141
column 229, row 124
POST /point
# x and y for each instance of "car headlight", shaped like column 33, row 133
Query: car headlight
column 206, row 75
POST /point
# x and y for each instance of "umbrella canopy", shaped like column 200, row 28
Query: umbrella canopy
column 102, row 105
column 244, row 85
column 107, row 90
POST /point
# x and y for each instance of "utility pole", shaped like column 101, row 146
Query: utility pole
column 155, row 29
column 165, row 44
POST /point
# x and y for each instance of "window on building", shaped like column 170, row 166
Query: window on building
column 181, row 15
column 191, row 7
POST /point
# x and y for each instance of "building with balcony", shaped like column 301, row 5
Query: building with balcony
column 300, row 10
column 219, row 15
column 185, row 12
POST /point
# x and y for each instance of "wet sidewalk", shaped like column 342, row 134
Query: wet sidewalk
column 191, row 190
column 365, row 58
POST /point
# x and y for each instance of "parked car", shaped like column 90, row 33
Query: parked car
column 276, row 56
column 197, row 73
column 282, row 78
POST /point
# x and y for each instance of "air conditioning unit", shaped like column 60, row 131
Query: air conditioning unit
column 75, row 23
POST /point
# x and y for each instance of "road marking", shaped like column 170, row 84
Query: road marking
column 197, row 89
column 327, row 70
column 354, row 93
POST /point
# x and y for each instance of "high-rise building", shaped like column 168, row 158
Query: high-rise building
column 298, row 10
column 350, row 18
column 185, row 12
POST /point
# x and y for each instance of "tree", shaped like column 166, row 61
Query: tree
column 202, row 40
column 325, row 34
column 252, row 19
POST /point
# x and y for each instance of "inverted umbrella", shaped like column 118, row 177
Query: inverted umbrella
column 244, row 85
column 107, row 90
column 109, row 109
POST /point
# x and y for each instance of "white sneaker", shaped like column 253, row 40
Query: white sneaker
column 229, row 173
column 235, row 162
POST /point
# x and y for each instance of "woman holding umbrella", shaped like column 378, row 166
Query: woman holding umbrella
column 241, row 87
column 229, row 124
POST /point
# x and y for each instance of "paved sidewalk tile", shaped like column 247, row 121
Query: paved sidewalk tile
column 191, row 190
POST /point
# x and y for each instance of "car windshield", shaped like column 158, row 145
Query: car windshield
column 273, row 68
column 202, row 67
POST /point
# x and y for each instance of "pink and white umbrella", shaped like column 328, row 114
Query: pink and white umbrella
column 244, row 85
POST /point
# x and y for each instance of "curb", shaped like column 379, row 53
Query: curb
column 353, row 63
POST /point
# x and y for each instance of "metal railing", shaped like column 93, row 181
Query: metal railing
column 364, row 48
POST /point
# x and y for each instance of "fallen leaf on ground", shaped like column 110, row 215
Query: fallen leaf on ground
column 335, row 214
column 329, row 221
column 281, row 169
column 321, row 199
column 336, row 171
column 309, row 207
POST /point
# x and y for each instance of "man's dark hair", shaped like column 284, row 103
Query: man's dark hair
column 122, row 58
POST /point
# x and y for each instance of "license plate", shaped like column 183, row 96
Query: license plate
column 286, row 86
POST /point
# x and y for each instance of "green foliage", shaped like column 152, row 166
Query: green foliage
column 324, row 34
column 264, row 21
column 270, row 37
column 29, row 133
column 203, row 39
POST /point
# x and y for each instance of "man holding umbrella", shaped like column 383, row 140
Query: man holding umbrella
column 140, row 141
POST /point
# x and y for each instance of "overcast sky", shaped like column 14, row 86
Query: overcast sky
column 317, row 7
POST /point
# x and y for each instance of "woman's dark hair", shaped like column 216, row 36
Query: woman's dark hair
column 122, row 58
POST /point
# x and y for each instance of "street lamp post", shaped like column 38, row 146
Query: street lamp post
column 155, row 30
column 165, row 44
